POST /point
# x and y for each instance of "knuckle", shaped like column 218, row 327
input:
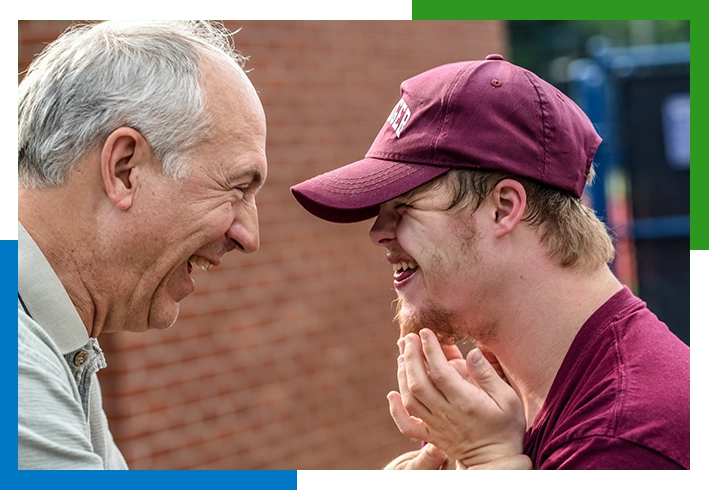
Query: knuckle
column 409, row 403
column 486, row 373
column 465, row 407
column 438, row 377
column 417, row 388
column 409, row 432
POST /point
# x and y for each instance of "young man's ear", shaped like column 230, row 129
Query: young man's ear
column 124, row 154
column 509, row 200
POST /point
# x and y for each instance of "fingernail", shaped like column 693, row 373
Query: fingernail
column 408, row 339
column 476, row 357
column 400, row 359
column 424, row 335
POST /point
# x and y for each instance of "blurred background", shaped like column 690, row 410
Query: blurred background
column 283, row 359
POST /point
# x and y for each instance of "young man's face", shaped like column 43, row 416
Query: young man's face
column 437, row 260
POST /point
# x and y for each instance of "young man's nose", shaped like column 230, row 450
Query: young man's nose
column 383, row 231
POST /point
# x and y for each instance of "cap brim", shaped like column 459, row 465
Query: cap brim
column 354, row 192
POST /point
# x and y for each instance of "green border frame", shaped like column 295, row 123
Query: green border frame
column 697, row 477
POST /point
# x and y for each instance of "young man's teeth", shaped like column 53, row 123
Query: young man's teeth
column 403, row 266
column 201, row 262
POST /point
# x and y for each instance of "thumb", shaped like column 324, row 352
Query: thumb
column 484, row 374
column 429, row 458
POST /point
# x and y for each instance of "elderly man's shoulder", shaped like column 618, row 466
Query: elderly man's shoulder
column 34, row 345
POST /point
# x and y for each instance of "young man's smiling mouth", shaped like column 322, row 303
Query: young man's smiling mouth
column 403, row 269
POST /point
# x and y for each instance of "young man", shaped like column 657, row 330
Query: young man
column 141, row 147
column 476, row 181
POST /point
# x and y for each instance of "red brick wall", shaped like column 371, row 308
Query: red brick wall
column 282, row 359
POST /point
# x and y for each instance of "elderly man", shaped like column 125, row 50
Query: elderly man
column 141, row 149
column 476, row 181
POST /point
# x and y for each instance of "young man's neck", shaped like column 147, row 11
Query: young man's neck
column 537, row 328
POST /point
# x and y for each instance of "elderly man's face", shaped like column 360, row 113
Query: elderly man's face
column 437, row 262
column 196, row 220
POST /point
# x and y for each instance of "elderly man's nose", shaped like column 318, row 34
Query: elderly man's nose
column 245, row 234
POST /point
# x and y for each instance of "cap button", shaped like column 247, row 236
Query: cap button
column 496, row 57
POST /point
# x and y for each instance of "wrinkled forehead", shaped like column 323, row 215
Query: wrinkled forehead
column 220, row 73
column 230, row 97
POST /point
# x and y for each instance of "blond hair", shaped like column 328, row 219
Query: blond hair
column 571, row 231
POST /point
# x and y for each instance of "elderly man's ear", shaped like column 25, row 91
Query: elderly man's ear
column 124, row 155
column 509, row 199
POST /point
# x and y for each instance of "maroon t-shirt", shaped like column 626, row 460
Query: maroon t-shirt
column 621, row 399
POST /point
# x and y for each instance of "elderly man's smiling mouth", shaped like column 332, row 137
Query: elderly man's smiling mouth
column 200, row 262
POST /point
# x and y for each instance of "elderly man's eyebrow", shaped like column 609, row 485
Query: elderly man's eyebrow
column 253, row 174
column 254, row 177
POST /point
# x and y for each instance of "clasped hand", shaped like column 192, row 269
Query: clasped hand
column 461, row 407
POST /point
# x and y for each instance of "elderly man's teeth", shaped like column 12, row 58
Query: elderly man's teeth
column 403, row 266
column 201, row 262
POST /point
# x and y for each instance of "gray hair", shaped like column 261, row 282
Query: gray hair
column 97, row 78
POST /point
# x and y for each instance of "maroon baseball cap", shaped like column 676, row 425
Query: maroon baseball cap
column 484, row 114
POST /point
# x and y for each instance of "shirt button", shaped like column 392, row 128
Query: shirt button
column 80, row 358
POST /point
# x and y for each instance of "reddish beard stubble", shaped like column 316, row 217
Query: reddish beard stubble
column 446, row 325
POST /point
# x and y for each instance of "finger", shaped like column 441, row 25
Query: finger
column 429, row 458
column 408, row 425
column 446, row 378
column 451, row 352
column 410, row 400
column 493, row 360
column 460, row 366
column 450, row 464
column 420, row 387
column 517, row 462
column 401, row 461
column 485, row 375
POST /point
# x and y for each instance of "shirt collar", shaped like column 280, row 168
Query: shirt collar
column 45, row 296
